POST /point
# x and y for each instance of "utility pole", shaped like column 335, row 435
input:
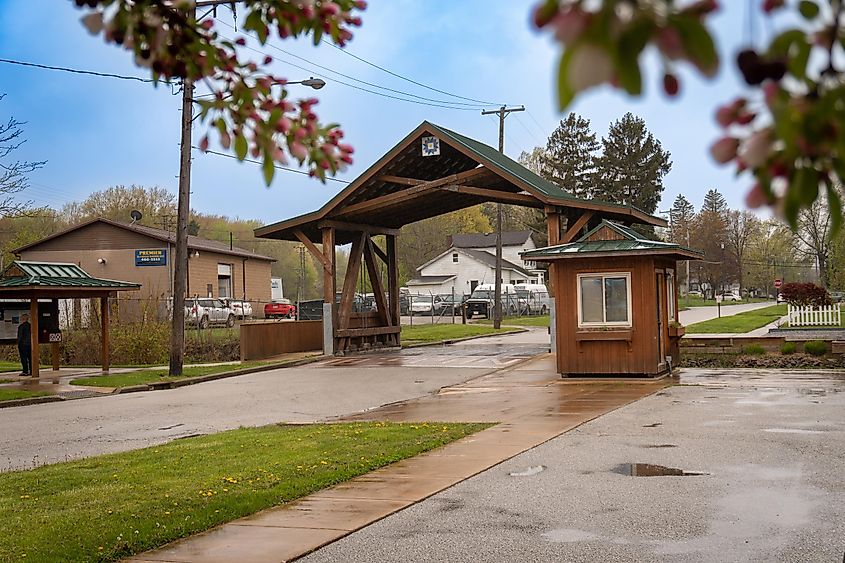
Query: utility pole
column 502, row 112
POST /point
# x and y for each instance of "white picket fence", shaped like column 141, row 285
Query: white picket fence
column 815, row 316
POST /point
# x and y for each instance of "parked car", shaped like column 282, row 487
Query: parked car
column 533, row 298
column 206, row 312
column 482, row 299
column 445, row 305
column 422, row 304
column 730, row 296
column 837, row 296
column 695, row 293
column 280, row 309
column 241, row 309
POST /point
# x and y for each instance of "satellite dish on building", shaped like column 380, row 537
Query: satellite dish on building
column 136, row 215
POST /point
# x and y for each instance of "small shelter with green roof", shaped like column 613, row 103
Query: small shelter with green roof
column 616, row 301
column 36, row 287
column 430, row 172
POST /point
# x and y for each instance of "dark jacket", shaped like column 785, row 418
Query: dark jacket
column 25, row 335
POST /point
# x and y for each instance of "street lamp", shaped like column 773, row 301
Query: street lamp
column 312, row 82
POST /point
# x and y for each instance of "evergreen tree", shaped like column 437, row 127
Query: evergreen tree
column 681, row 217
column 715, row 203
column 632, row 165
column 569, row 157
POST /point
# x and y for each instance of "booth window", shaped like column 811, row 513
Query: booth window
column 670, row 296
column 604, row 299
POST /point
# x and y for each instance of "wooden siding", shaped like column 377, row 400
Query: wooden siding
column 623, row 351
column 261, row 340
column 605, row 233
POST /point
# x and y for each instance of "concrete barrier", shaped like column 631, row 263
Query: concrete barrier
column 265, row 339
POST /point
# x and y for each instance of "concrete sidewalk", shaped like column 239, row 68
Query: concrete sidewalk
column 531, row 402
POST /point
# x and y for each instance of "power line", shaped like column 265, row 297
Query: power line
column 329, row 69
column 390, row 72
column 336, row 81
column 537, row 123
column 80, row 71
column 277, row 167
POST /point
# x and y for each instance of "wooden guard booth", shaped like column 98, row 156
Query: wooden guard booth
column 34, row 281
column 617, row 305
column 430, row 172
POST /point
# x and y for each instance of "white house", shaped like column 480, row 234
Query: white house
column 471, row 260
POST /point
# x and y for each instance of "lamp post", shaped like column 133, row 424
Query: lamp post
column 312, row 82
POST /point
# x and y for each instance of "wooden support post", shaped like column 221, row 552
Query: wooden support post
column 376, row 283
column 393, row 284
column 104, row 321
column 553, row 225
column 353, row 267
column 54, row 352
column 329, row 290
column 33, row 335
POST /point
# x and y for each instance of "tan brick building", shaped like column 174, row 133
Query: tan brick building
column 112, row 250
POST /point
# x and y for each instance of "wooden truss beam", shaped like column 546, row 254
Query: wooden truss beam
column 524, row 200
column 315, row 252
column 351, row 280
column 416, row 191
column 576, row 227
column 357, row 227
column 376, row 283
column 380, row 253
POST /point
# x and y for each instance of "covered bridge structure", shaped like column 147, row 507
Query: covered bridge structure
column 430, row 172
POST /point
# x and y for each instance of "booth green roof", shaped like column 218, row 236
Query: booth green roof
column 632, row 242
column 22, row 273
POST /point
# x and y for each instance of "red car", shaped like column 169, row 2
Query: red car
column 280, row 309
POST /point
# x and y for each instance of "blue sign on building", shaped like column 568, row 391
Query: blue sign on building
column 155, row 257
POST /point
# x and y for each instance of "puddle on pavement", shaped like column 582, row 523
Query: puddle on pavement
column 660, row 446
column 792, row 431
column 652, row 425
column 650, row 470
column 533, row 470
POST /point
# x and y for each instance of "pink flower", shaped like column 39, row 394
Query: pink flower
column 669, row 43
column 569, row 25
column 724, row 150
column 725, row 116
column 283, row 125
column 298, row 150
column 589, row 66
column 93, row 22
column 755, row 150
column 756, row 197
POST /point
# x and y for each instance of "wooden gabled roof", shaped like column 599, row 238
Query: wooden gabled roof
column 404, row 187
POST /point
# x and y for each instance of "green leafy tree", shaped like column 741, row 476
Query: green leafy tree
column 741, row 227
column 569, row 157
column 681, row 222
column 156, row 205
column 711, row 237
column 632, row 165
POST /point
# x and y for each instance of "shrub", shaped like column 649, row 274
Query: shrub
column 805, row 295
column 788, row 348
column 815, row 347
column 754, row 350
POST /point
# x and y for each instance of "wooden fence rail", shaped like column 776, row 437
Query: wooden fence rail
column 815, row 316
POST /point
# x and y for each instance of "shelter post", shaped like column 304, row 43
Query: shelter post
column 104, row 319
column 54, row 346
column 33, row 335
column 329, row 290
column 393, row 284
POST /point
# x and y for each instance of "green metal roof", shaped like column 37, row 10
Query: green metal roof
column 632, row 243
column 22, row 273
column 512, row 167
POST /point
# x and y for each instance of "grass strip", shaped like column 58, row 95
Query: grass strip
column 108, row 507
column 687, row 302
column 539, row 320
column 448, row 331
column 146, row 376
column 12, row 394
column 739, row 323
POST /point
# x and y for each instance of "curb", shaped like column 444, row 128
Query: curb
column 158, row 386
column 30, row 401
column 465, row 338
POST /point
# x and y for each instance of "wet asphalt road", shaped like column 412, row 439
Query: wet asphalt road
column 51, row 432
column 772, row 445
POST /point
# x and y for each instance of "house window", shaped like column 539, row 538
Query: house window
column 455, row 257
column 604, row 299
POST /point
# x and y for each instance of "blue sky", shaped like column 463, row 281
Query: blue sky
column 98, row 132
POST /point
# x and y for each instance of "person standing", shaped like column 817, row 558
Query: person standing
column 25, row 344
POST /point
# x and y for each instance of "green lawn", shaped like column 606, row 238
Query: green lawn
column 108, row 507
column 539, row 320
column 436, row 332
column 143, row 377
column 687, row 302
column 10, row 366
column 739, row 323
column 12, row 394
